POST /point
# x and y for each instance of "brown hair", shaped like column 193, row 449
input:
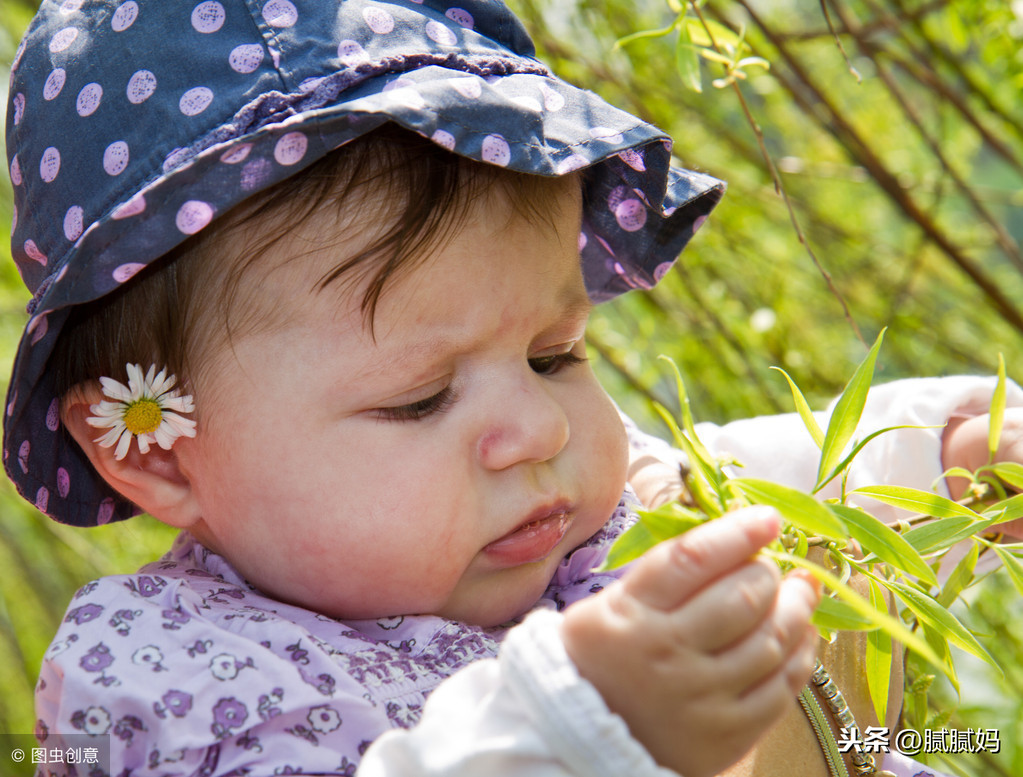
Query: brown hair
column 177, row 311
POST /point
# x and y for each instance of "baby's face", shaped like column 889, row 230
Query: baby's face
column 442, row 464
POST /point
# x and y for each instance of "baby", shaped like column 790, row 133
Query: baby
column 344, row 257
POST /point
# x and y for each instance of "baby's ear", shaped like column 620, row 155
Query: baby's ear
column 153, row 481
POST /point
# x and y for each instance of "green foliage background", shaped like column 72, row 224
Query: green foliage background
column 906, row 182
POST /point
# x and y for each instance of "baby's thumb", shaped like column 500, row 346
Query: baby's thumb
column 676, row 569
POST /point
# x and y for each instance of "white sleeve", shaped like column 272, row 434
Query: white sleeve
column 527, row 712
column 780, row 448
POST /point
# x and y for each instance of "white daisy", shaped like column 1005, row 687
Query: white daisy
column 146, row 409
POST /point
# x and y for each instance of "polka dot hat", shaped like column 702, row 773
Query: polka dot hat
column 132, row 125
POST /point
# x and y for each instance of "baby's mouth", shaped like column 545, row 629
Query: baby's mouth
column 532, row 541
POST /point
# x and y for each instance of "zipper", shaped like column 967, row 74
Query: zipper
column 825, row 737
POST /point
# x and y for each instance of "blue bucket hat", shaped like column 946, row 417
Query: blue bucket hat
column 132, row 125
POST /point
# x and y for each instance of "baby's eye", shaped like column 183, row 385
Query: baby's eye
column 414, row 411
column 549, row 365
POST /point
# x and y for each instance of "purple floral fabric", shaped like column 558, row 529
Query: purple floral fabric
column 191, row 671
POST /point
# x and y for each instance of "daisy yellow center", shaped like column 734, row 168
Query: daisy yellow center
column 143, row 416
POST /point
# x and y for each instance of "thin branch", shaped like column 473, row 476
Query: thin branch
column 779, row 186
column 859, row 149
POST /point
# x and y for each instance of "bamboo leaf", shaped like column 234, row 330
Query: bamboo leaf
column 878, row 658
column 895, row 627
column 884, row 542
column 846, row 415
column 997, row 411
column 809, row 421
column 1013, row 565
column 796, row 507
column 929, row 611
column 918, row 501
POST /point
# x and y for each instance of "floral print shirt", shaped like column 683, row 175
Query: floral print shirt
column 186, row 669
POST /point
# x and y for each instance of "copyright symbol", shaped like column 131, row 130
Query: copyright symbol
column 908, row 741
column 18, row 755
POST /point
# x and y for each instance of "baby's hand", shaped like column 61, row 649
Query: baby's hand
column 700, row 647
column 965, row 445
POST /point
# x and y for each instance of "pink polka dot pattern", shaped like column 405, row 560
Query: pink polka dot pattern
column 141, row 86
column 89, row 99
column 115, row 157
column 125, row 16
column 134, row 123
column 54, row 83
column 208, row 17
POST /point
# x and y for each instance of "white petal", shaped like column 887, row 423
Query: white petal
column 180, row 427
column 162, row 384
column 122, row 445
column 165, row 437
column 143, row 441
column 114, row 390
column 180, row 404
column 105, row 416
column 110, row 437
column 136, row 383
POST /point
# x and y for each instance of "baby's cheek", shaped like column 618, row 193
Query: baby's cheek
column 610, row 448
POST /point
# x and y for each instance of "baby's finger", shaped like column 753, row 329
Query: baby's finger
column 676, row 569
column 731, row 607
column 780, row 637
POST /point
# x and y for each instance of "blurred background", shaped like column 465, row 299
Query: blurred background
column 875, row 174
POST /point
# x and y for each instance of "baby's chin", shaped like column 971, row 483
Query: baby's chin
column 502, row 601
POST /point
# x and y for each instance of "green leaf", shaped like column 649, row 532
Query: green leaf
column 688, row 425
column 687, row 61
column 997, row 411
column 1007, row 510
column 895, row 627
column 961, row 576
column 1008, row 471
column 858, row 447
column 645, row 34
column 653, row 527
column 720, row 36
column 1013, row 565
column 751, row 61
column 878, row 658
column 932, row 613
column 632, row 544
column 704, row 478
column 917, row 501
column 846, row 415
column 835, row 615
column 809, row 421
column 796, row 507
column 938, row 535
column 939, row 643
column 884, row 542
